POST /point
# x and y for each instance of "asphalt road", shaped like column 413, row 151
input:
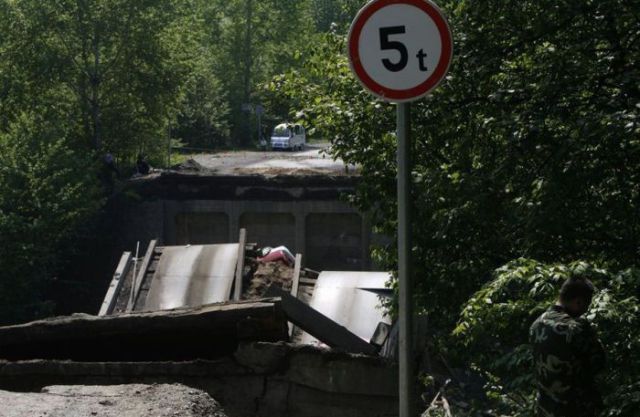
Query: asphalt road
column 313, row 160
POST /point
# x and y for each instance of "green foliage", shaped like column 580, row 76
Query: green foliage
column 77, row 78
column 203, row 118
column 81, row 78
column 328, row 14
column 115, row 66
column 493, row 330
column 47, row 192
column 528, row 148
column 254, row 40
column 203, row 114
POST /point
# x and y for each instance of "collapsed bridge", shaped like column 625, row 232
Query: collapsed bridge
column 262, row 338
column 200, row 305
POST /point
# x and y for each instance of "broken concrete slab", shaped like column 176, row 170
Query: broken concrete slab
column 111, row 401
column 260, row 379
column 193, row 333
column 343, row 373
column 192, row 275
column 351, row 299
column 320, row 326
column 263, row 358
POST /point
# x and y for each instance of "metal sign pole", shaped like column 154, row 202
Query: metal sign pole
column 420, row 30
column 406, row 385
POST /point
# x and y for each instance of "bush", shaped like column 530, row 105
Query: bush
column 47, row 192
column 493, row 330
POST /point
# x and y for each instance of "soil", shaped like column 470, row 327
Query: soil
column 266, row 274
column 192, row 166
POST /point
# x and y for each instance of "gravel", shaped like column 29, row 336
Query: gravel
column 111, row 401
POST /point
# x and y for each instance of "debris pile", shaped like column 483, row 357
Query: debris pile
column 195, row 314
column 265, row 274
column 190, row 167
column 266, row 266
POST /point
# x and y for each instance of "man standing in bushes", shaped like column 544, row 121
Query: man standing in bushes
column 567, row 354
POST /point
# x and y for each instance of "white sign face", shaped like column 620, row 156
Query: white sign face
column 400, row 49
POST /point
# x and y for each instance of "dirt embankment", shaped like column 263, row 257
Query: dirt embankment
column 265, row 274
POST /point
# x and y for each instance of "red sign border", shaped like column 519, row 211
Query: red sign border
column 430, row 83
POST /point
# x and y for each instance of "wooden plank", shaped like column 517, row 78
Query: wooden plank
column 240, row 265
column 141, row 273
column 318, row 325
column 146, row 286
column 119, row 275
column 294, row 284
column 311, row 272
column 296, row 275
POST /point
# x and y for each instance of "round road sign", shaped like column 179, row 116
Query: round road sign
column 400, row 49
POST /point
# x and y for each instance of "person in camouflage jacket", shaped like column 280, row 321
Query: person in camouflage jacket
column 567, row 355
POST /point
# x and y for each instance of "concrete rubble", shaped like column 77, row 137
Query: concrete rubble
column 258, row 379
column 243, row 351
column 134, row 400
column 267, row 274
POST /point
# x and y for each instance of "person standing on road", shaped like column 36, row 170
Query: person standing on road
column 567, row 354
column 142, row 166
column 109, row 173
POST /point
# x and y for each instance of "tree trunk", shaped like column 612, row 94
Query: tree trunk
column 83, row 77
column 247, row 71
column 95, row 89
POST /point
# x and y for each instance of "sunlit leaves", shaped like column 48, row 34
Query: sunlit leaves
column 495, row 333
column 530, row 148
column 48, row 190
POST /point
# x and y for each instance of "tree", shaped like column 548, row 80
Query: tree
column 77, row 78
column 529, row 148
column 493, row 330
column 114, row 64
column 257, row 40
column 331, row 13
column 48, row 191
column 202, row 120
column 203, row 113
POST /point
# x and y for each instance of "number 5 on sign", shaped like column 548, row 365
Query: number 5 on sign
column 400, row 49
column 385, row 43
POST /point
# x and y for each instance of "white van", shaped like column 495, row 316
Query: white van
column 288, row 136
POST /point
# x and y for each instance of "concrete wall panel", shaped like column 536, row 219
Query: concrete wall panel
column 334, row 242
column 331, row 235
column 270, row 229
column 201, row 228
